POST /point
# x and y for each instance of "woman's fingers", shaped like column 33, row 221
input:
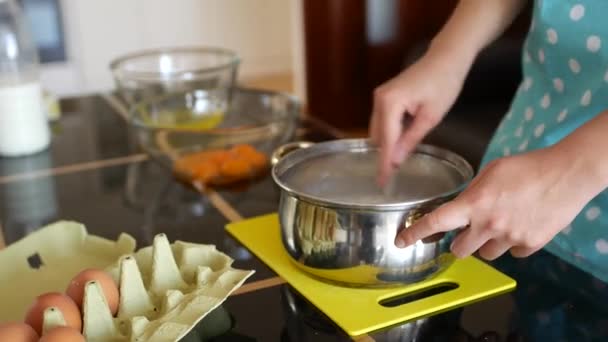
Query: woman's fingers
column 469, row 241
column 449, row 216
column 505, row 208
column 390, row 125
column 523, row 252
column 414, row 132
column 374, row 130
column 494, row 248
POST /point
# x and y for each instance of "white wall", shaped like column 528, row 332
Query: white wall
column 99, row 30
column 298, row 64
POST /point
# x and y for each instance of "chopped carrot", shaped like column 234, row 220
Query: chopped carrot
column 222, row 167
column 206, row 172
column 244, row 149
column 258, row 161
column 237, row 168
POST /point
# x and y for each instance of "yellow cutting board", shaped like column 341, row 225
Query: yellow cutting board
column 358, row 310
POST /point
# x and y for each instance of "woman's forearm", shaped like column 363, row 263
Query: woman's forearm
column 584, row 155
column 472, row 26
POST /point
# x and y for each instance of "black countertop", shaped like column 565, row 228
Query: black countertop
column 94, row 174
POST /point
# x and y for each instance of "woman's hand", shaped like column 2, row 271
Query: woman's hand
column 517, row 203
column 425, row 91
column 428, row 89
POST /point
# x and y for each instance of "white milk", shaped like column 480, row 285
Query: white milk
column 23, row 123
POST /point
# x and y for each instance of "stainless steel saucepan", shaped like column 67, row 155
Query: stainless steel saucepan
column 338, row 225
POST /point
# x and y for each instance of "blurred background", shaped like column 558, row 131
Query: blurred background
column 77, row 39
column 330, row 53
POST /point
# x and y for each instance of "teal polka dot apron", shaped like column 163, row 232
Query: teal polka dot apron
column 564, row 85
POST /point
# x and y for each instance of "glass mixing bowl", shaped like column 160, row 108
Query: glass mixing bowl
column 152, row 73
column 180, row 127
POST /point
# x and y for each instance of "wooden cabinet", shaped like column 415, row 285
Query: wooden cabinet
column 352, row 46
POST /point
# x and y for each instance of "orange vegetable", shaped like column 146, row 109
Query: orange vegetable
column 219, row 157
column 222, row 167
column 244, row 149
column 237, row 168
column 206, row 172
column 259, row 162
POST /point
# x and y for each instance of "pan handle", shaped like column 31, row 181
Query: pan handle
column 283, row 150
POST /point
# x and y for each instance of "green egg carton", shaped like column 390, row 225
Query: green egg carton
column 165, row 289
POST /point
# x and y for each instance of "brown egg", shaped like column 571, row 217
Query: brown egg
column 110, row 290
column 17, row 332
column 63, row 303
column 62, row 334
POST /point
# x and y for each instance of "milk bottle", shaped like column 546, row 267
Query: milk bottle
column 24, row 126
